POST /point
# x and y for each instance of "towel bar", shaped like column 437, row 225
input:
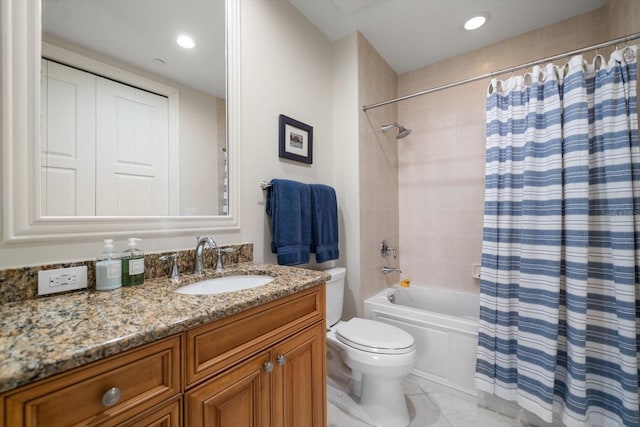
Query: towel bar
column 264, row 184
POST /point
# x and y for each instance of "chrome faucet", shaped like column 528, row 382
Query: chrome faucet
column 387, row 270
column 199, row 260
column 385, row 249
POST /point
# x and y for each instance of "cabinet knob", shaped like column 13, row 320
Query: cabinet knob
column 282, row 359
column 111, row 396
column 268, row 366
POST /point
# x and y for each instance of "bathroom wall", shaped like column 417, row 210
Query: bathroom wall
column 347, row 164
column 378, row 175
column 441, row 164
column 321, row 89
column 286, row 69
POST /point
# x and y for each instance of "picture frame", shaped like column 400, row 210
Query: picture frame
column 296, row 140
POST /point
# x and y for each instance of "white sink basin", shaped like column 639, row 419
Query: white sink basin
column 224, row 284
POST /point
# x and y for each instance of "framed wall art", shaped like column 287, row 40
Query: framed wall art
column 296, row 140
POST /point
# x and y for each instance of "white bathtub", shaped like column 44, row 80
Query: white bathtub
column 444, row 325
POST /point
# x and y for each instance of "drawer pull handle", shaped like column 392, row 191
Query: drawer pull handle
column 111, row 396
column 282, row 359
column 268, row 366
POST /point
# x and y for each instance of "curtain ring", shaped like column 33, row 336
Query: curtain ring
column 629, row 55
column 542, row 75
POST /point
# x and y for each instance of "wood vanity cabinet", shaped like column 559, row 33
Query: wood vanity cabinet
column 263, row 367
column 147, row 379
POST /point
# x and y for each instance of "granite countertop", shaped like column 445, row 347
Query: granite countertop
column 45, row 336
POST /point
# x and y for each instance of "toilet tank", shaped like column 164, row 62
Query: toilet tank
column 335, row 294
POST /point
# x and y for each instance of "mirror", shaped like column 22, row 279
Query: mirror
column 132, row 123
column 23, row 146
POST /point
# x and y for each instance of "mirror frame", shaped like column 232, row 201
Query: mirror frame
column 21, row 52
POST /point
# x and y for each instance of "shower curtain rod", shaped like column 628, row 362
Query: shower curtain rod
column 505, row 70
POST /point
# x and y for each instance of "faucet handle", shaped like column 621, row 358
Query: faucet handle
column 175, row 273
column 385, row 249
column 219, row 252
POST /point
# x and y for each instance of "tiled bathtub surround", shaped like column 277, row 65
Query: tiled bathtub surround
column 441, row 164
column 21, row 284
column 44, row 336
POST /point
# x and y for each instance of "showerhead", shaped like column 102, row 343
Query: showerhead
column 402, row 131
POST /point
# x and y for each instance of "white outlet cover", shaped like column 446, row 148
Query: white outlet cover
column 46, row 276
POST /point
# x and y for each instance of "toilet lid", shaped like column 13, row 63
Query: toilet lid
column 374, row 337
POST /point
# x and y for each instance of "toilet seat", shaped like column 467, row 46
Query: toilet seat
column 374, row 337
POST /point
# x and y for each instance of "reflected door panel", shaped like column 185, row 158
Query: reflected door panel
column 68, row 141
column 132, row 176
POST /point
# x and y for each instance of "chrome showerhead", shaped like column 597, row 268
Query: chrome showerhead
column 402, row 131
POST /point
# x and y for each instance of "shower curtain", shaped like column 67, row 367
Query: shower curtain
column 560, row 299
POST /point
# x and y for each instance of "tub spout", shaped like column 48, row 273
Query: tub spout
column 387, row 270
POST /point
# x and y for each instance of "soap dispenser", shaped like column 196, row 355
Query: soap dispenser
column 132, row 264
column 108, row 269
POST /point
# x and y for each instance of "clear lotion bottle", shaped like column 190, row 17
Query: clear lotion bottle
column 108, row 269
column 132, row 264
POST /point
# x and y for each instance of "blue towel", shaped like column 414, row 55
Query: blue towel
column 324, row 223
column 289, row 205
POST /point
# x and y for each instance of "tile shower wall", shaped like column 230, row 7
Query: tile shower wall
column 441, row 164
column 378, row 175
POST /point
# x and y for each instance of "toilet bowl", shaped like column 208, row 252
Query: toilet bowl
column 366, row 363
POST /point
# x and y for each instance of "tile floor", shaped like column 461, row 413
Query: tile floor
column 431, row 406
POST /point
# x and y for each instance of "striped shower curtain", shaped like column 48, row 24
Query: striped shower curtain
column 560, row 298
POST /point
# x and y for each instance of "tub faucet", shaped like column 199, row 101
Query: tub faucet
column 199, row 259
column 387, row 270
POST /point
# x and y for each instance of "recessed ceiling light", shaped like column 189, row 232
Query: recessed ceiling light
column 185, row 41
column 476, row 22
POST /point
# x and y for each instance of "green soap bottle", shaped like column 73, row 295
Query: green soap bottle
column 132, row 264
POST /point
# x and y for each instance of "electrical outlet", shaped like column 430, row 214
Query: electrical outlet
column 61, row 280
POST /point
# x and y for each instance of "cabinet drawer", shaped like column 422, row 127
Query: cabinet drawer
column 168, row 415
column 220, row 344
column 144, row 377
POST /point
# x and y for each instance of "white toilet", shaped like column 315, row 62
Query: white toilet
column 366, row 363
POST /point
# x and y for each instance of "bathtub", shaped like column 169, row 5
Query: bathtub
column 444, row 325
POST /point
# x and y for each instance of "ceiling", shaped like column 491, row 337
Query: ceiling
column 412, row 33
column 407, row 33
column 139, row 31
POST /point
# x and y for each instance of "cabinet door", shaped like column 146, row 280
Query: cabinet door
column 300, row 379
column 240, row 397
